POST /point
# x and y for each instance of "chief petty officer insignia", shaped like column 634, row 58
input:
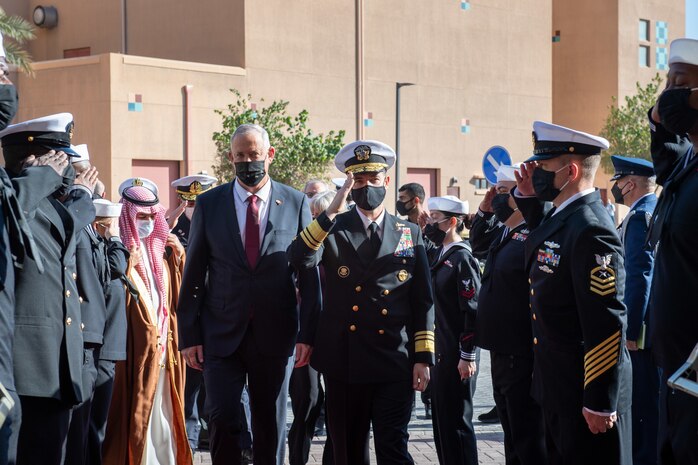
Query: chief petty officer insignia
column 603, row 278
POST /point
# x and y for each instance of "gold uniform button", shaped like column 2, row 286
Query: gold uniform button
column 80, row 299
column 535, row 340
column 381, row 331
column 386, row 292
column 67, row 293
column 384, row 311
column 358, row 289
column 82, row 326
column 404, row 261
column 531, row 291
column 529, row 280
column 355, row 308
column 352, row 328
column 69, row 321
column 534, row 316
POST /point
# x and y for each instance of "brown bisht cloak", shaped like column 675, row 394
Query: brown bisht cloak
column 137, row 377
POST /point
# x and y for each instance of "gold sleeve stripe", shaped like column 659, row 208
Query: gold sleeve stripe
column 591, row 363
column 423, row 338
column 603, row 369
column 309, row 238
column 602, row 345
column 424, row 346
column 427, row 333
column 316, row 231
column 309, row 242
column 588, row 373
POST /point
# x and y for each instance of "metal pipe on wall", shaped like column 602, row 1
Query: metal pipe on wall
column 124, row 28
column 359, row 68
column 187, row 129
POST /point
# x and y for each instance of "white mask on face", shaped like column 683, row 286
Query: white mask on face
column 145, row 228
column 189, row 212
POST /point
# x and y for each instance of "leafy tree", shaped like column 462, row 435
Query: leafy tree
column 626, row 126
column 300, row 153
column 20, row 31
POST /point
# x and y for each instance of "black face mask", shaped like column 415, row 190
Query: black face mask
column 434, row 233
column 368, row 197
column 501, row 208
column 67, row 183
column 675, row 113
column 617, row 193
column 8, row 104
column 544, row 184
column 401, row 207
column 250, row 173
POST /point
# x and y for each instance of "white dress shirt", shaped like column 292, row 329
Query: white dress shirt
column 576, row 196
column 380, row 221
column 241, row 204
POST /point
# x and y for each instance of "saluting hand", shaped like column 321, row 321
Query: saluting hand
column 524, row 179
column 88, row 178
column 486, row 204
column 340, row 200
column 176, row 213
column 57, row 161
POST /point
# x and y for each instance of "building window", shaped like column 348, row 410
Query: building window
column 480, row 183
column 644, row 30
column 662, row 59
column 644, row 56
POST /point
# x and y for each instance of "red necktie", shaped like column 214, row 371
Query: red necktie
column 252, row 231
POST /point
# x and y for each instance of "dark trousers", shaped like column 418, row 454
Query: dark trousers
column 678, row 431
column 452, row 414
column 521, row 416
column 224, row 378
column 9, row 433
column 353, row 408
column 101, row 400
column 78, row 432
column 194, row 397
column 569, row 441
column 645, row 407
column 44, row 431
column 307, row 397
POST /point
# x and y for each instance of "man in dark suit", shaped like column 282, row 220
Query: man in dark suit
column 635, row 183
column 581, row 372
column 375, row 338
column 238, row 312
column 48, row 335
column 674, row 238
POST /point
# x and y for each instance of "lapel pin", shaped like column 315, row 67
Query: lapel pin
column 278, row 202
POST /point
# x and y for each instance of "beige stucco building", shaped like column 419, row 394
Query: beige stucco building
column 143, row 78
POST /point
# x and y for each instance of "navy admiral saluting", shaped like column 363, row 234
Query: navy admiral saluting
column 455, row 275
column 375, row 336
column 188, row 189
column 582, row 374
column 674, row 235
column 634, row 186
column 48, row 337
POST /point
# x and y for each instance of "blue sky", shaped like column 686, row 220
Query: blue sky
column 692, row 19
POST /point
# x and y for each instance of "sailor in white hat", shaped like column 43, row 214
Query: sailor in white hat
column 370, row 256
column 577, row 280
column 188, row 189
column 673, row 235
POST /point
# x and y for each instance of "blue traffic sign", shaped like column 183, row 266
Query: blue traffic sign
column 493, row 159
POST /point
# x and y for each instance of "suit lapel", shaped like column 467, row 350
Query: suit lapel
column 231, row 221
column 52, row 215
column 277, row 201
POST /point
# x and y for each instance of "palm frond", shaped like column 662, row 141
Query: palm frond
column 16, row 28
column 20, row 57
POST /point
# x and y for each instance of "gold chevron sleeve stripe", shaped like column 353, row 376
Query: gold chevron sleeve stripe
column 610, row 361
column 603, row 293
column 591, row 369
column 602, row 349
column 424, row 346
column 316, row 231
column 592, row 362
column 311, row 243
column 601, row 371
column 602, row 345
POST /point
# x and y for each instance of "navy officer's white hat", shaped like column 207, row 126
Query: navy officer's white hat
column 506, row 173
column 338, row 182
column 448, row 204
column 139, row 182
column 363, row 156
column 107, row 209
column 551, row 140
column 83, row 153
column 684, row 51
column 53, row 132
column 189, row 187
